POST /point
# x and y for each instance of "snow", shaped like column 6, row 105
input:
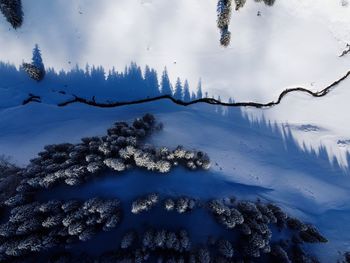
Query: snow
column 249, row 159
column 294, row 43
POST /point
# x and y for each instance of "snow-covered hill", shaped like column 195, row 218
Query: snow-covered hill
column 253, row 154
column 300, row 164
column 292, row 43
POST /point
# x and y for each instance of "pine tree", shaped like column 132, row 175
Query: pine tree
column 166, row 88
column 240, row 4
column 12, row 10
column 178, row 93
column 269, row 2
column 187, row 95
column 37, row 60
column 193, row 96
column 152, row 84
column 199, row 90
column 224, row 17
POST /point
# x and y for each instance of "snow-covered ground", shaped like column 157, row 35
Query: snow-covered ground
column 242, row 153
column 295, row 42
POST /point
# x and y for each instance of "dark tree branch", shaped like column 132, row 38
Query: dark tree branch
column 211, row 101
column 31, row 98
column 346, row 51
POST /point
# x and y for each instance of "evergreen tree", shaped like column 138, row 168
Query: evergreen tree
column 199, row 90
column 269, row 2
column 12, row 10
column 187, row 96
column 166, row 88
column 224, row 17
column 240, row 4
column 37, row 60
column 193, row 96
column 36, row 69
column 178, row 93
column 152, row 84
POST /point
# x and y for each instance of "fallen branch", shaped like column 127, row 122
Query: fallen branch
column 211, row 101
column 31, row 98
column 346, row 51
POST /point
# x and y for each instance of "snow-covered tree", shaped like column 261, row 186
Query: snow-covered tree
column 186, row 92
column 36, row 69
column 12, row 10
column 169, row 204
column 160, row 238
column 128, row 239
column 240, row 3
column 115, row 164
column 199, row 90
column 166, row 88
column 178, row 92
column 225, row 248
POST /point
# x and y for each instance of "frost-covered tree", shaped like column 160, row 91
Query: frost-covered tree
column 186, row 92
column 165, row 85
column 169, row 204
column 160, row 238
column 115, row 164
column 199, row 90
column 178, row 92
column 144, row 204
column 312, row 235
column 12, row 10
column 148, row 239
column 280, row 254
column 184, row 204
column 203, row 255
column 35, row 70
column 240, row 3
column 170, row 240
column 223, row 21
column 128, row 239
column 225, row 248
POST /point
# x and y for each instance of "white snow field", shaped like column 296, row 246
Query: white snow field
column 244, row 155
column 295, row 42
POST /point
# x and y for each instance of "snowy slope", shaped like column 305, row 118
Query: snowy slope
column 292, row 43
column 305, row 184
